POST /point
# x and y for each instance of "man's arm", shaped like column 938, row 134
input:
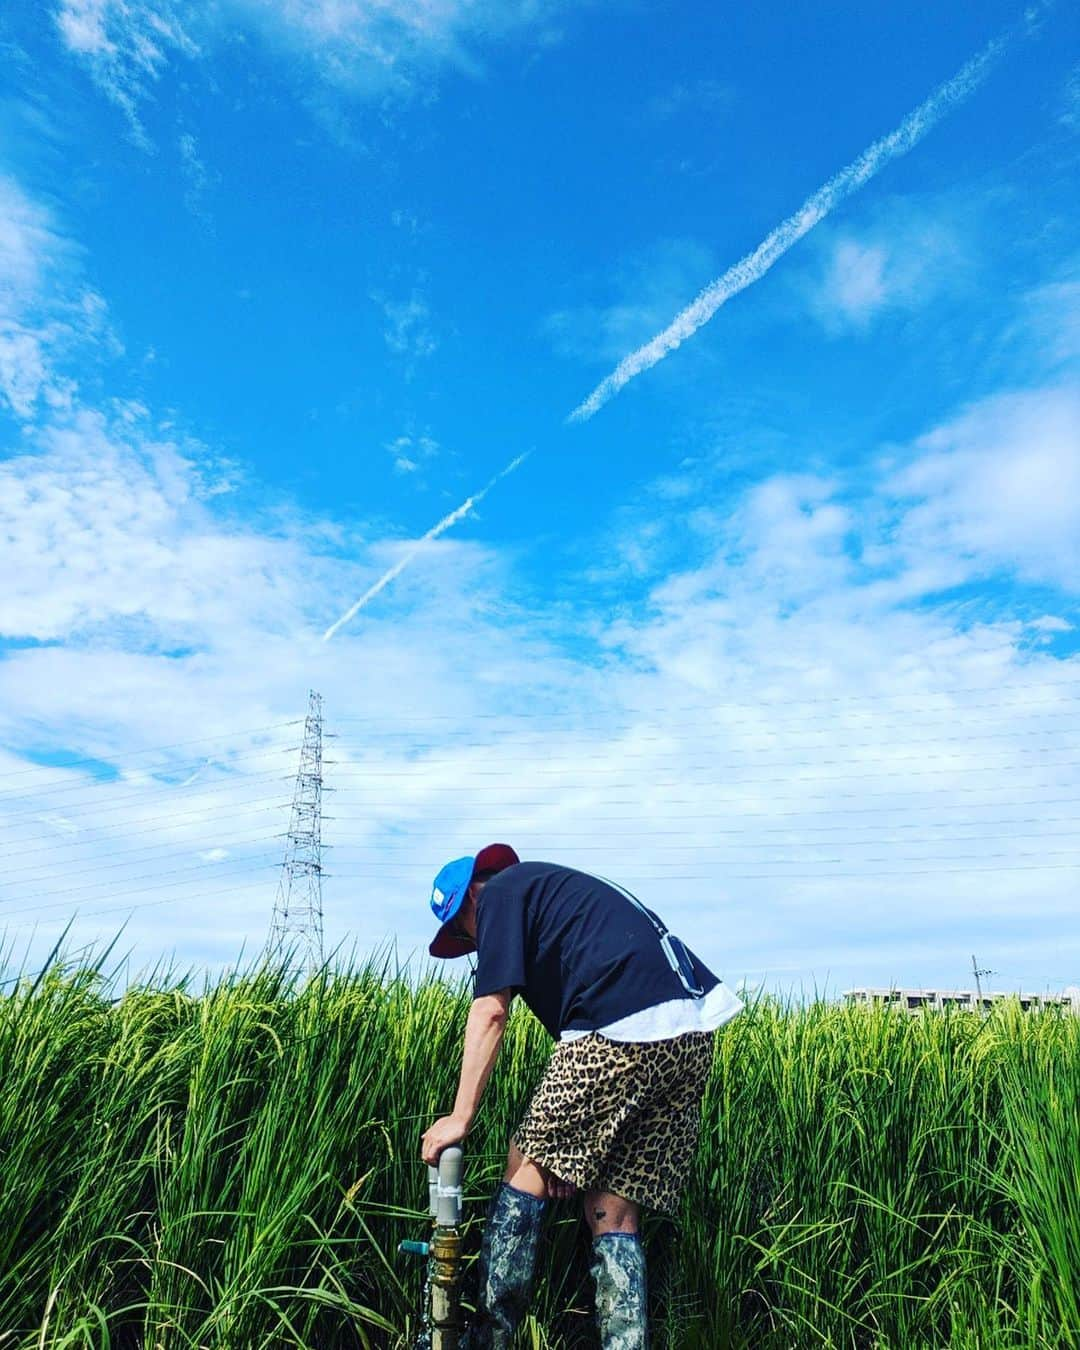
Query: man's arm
column 483, row 1040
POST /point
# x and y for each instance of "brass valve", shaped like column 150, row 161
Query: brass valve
column 445, row 1247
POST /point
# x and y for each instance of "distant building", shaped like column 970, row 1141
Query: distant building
column 940, row 999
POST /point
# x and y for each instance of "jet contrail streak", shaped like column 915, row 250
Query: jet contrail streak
column 406, row 558
column 744, row 273
column 773, row 247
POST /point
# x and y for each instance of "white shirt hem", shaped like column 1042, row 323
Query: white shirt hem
column 667, row 1020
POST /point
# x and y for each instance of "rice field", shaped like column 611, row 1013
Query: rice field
column 233, row 1167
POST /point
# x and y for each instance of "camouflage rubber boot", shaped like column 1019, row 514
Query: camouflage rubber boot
column 618, row 1267
column 507, row 1265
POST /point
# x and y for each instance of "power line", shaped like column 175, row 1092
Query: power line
column 260, row 806
column 136, row 857
column 144, row 779
column 694, row 844
column 714, row 877
column 747, row 837
column 624, row 755
column 465, row 820
column 553, row 766
column 755, row 831
column 365, row 779
column 635, row 877
column 239, row 864
column 304, row 851
column 649, row 801
column 691, row 844
column 373, row 781
column 118, row 763
column 466, row 719
column 110, row 800
column 103, row 833
column 361, row 779
column 97, row 786
column 149, row 750
column 785, row 702
column 377, row 868
column 127, row 909
column 510, row 732
column 93, row 789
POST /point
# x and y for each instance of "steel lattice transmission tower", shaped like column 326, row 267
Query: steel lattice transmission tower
column 297, row 925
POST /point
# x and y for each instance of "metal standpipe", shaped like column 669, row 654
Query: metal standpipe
column 443, row 1285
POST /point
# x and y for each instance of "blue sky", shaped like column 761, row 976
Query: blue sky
column 783, row 636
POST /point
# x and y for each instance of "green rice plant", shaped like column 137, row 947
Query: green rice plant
column 232, row 1166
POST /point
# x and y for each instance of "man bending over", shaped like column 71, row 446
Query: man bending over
column 616, row 1116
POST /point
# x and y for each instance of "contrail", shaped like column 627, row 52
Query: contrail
column 744, row 273
column 816, row 207
column 406, row 558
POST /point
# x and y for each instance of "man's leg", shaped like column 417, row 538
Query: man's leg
column 508, row 1253
column 525, row 1175
column 618, row 1268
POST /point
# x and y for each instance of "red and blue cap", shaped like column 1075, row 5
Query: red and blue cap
column 450, row 889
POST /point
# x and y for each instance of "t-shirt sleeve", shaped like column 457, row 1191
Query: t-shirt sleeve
column 500, row 944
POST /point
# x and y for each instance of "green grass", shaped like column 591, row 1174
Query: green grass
column 233, row 1167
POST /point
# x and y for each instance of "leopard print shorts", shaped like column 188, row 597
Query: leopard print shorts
column 620, row 1116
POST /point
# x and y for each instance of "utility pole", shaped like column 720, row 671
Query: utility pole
column 297, row 924
column 979, row 973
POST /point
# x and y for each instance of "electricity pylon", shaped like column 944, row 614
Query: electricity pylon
column 297, row 926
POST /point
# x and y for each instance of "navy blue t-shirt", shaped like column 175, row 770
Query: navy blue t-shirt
column 575, row 949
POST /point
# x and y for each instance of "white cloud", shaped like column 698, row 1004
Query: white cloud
column 407, row 221
column 361, row 48
column 910, row 254
column 107, row 527
column 697, row 96
column 412, row 451
column 408, row 332
column 196, row 175
column 22, row 370
column 855, row 284
column 1053, row 316
column 46, row 313
column 126, row 45
column 27, row 244
column 1070, row 102
column 999, row 487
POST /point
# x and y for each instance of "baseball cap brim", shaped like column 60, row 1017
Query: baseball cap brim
column 448, row 944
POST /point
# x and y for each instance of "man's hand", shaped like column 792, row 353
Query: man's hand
column 449, row 1130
